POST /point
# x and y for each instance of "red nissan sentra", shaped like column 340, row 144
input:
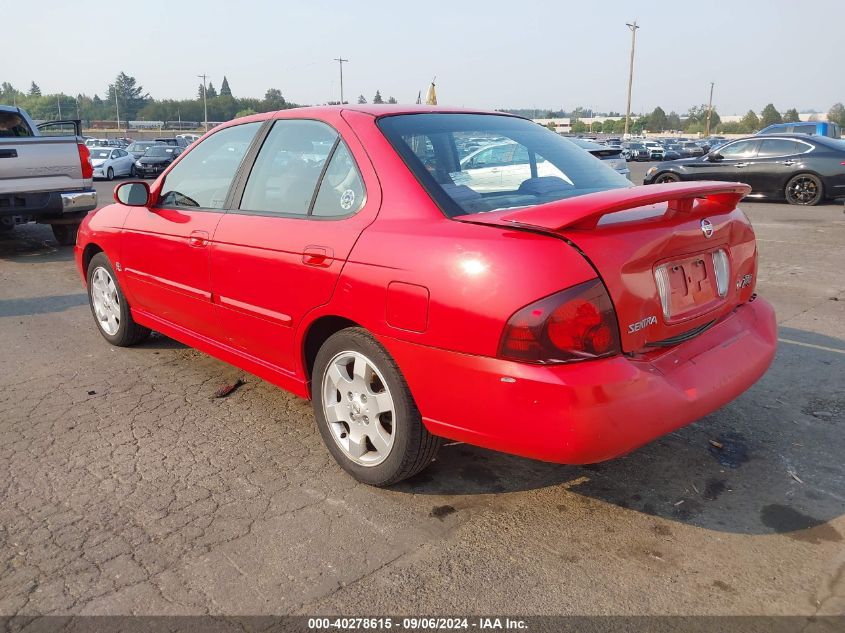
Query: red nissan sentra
column 424, row 273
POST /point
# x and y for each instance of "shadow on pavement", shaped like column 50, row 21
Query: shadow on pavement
column 769, row 462
column 41, row 305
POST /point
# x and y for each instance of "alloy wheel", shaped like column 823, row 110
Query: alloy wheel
column 106, row 301
column 803, row 190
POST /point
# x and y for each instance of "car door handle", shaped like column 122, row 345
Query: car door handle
column 788, row 163
column 741, row 165
column 198, row 239
column 320, row 256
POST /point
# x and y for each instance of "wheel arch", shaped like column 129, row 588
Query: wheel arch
column 88, row 253
column 317, row 332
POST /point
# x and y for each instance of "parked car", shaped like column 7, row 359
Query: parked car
column 411, row 306
column 188, row 138
column 638, row 151
column 611, row 155
column 800, row 169
column 690, row 148
column 673, row 152
column 655, row 150
column 156, row 159
column 138, row 148
column 109, row 162
column 45, row 174
column 817, row 128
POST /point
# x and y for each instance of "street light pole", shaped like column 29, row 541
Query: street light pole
column 340, row 62
column 709, row 111
column 204, row 100
column 633, row 28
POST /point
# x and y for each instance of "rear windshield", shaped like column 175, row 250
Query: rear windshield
column 13, row 125
column 160, row 150
column 100, row 153
column 140, row 146
column 473, row 163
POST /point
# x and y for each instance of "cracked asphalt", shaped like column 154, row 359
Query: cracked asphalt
column 127, row 488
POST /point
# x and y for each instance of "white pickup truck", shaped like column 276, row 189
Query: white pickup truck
column 45, row 174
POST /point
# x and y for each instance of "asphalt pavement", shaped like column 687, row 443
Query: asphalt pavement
column 127, row 487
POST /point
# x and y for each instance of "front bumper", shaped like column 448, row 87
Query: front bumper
column 48, row 205
column 592, row 411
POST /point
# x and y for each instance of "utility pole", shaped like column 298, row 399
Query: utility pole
column 340, row 62
column 633, row 28
column 709, row 112
column 59, row 103
column 204, row 101
column 116, row 106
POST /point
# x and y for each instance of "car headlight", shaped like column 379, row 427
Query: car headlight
column 651, row 171
column 138, row 163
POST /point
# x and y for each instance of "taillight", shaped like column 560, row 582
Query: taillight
column 572, row 325
column 85, row 160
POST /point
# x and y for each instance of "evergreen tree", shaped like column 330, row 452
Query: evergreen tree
column 377, row 98
column 34, row 90
column 791, row 116
column 225, row 91
column 391, row 100
column 130, row 96
column 770, row 116
column 362, row 99
column 211, row 93
column 750, row 122
column 657, row 120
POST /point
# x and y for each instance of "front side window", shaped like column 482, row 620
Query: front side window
column 203, row 178
column 740, row 149
column 288, row 167
column 514, row 163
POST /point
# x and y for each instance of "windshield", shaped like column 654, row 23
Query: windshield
column 160, row 151
column 139, row 147
column 473, row 163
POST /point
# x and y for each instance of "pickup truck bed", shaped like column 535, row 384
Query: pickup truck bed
column 43, row 179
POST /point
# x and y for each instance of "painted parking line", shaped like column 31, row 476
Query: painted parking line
column 812, row 346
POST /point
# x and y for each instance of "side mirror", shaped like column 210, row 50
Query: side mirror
column 714, row 157
column 133, row 194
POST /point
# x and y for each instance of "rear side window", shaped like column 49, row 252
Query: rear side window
column 13, row 125
column 342, row 189
column 288, row 168
column 473, row 163
column 202, row 179
column 780, row 147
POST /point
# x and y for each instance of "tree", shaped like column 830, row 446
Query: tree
column 377, row 98
column 392, row 100
column 673, row 121
column 750, row 122
column 362, row 99
column 34, row 90
column 212, row 93
column 273, row 100
column 130, row 96
column 837, row 114
column 225, row 91
column 201, row 94
column 791, row 116
column 657, row 120
column 241, row 113
column 770, row 116
column 578, row 126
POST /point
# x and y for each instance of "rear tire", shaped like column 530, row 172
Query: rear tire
column 65, row 234
column 665, row 177
column 109, row 307
column 805, row 190
column 365, row 411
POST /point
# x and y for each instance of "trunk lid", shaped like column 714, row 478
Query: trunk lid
column 653, row 247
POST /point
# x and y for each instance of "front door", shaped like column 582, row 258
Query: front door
column 728, row 162
column 279, row 254
column 165, row 250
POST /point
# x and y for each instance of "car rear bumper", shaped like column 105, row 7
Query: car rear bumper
column 592, row 411
column 49, row 204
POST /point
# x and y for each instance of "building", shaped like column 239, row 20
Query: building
column 561, row 125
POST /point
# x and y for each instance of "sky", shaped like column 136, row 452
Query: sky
column 484, row 54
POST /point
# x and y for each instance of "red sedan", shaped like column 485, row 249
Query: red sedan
column 422, row 273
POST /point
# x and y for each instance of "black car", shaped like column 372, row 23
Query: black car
column 690, row 149
column 156, row 159
column 800, row 169
column 138, row 148
column 175, row 141
column 673, row 151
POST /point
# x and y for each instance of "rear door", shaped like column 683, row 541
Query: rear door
column 776, row 161
column 165, row 248
column 279, row 253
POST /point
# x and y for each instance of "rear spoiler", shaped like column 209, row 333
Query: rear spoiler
column 584, row 212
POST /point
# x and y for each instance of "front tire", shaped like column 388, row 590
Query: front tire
column 110, row 174
column 109, row 306
column 365, row 411
column 805, row 190
column 132, row 171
